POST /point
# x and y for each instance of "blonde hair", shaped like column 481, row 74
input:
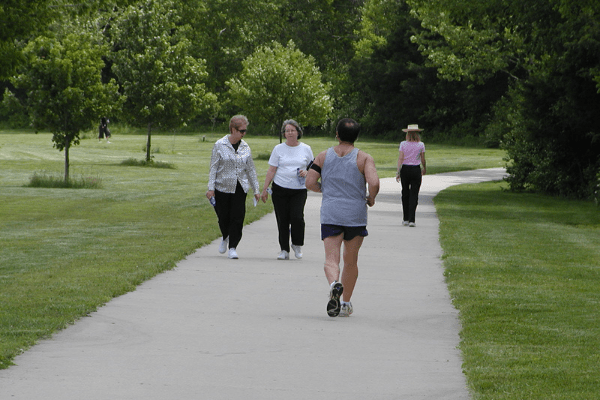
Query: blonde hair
column 413, row 136
column 237, row 120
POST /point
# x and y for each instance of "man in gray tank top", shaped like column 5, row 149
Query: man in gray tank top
column 349, row 183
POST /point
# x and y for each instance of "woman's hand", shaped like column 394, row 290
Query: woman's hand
column 264, row 196
column 210, row 193
column 303, row 173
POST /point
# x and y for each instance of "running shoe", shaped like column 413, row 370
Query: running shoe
column 284, row 255
column 346, row 310
column 223, row 245
column 233, row 254
column 297, row 251
column 334, row 305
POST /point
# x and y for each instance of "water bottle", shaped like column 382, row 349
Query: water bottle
column 213, row 202
column 301, row 179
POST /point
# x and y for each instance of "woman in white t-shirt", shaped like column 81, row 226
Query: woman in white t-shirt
column 410, row 159
column 288, row 167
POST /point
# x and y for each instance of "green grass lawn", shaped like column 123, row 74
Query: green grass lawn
column 65, row 252
column 524, row 272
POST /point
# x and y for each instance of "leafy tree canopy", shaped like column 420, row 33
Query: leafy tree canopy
column 164, row 85
column 278, row 83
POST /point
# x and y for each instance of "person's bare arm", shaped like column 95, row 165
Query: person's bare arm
column 372, row 179
column 312, row 178
column 400, row 161
column 423, row 163
column 270, row 175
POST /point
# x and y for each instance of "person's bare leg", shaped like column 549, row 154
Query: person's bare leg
column 350, row 271
column 333, row 246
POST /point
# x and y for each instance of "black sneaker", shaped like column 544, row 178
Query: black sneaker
column 334, row 305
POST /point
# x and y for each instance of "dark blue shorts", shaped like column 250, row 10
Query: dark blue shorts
column 350, row 232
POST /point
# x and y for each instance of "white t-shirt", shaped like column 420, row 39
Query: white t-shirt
column 288, row 160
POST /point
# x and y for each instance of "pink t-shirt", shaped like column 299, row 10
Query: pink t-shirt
column 412, row 152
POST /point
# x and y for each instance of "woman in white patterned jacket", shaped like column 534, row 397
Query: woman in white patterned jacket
column 232, row 174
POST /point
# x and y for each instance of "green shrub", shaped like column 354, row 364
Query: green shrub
column 132, row 162
column 45, row 180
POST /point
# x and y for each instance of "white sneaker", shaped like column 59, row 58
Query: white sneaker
column 297, row 251
column 412, row 224
column 223, row 245
column 346, row 310
column 233, row 254
column 405, row 223
column 284, row 255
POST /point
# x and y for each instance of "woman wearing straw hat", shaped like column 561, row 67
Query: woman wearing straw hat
column 410, row 159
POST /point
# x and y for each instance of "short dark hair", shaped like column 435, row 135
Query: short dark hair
column 348, row 130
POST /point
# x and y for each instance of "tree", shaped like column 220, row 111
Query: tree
column 164, row 85
column 20, row 18
column 225, row 32
column 550, row 49
column 278, row 83
column 391, row 86
column 63, row 88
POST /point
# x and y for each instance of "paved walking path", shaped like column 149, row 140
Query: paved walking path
column 256, row 328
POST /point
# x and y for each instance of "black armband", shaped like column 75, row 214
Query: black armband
column 316, row 168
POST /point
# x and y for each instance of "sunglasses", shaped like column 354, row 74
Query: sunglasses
column 241, row 130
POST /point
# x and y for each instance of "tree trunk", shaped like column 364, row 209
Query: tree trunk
column 67, row 144
column 280, row 134
column 148, row 143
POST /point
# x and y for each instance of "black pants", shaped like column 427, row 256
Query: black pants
column 289, row 211
column 231, row 211
column 410, row 178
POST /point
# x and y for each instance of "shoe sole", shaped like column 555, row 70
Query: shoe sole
column 333, row 305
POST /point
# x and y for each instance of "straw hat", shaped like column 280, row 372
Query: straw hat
column 412, row 128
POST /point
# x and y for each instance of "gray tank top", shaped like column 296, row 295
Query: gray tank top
column 344, row 190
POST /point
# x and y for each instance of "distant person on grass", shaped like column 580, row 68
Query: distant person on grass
column 103, row 131
column 410, row 159
column 232, row 174
column 345, row 172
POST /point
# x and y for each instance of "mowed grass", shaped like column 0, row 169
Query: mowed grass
column 524, row 272
column 65, row 252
